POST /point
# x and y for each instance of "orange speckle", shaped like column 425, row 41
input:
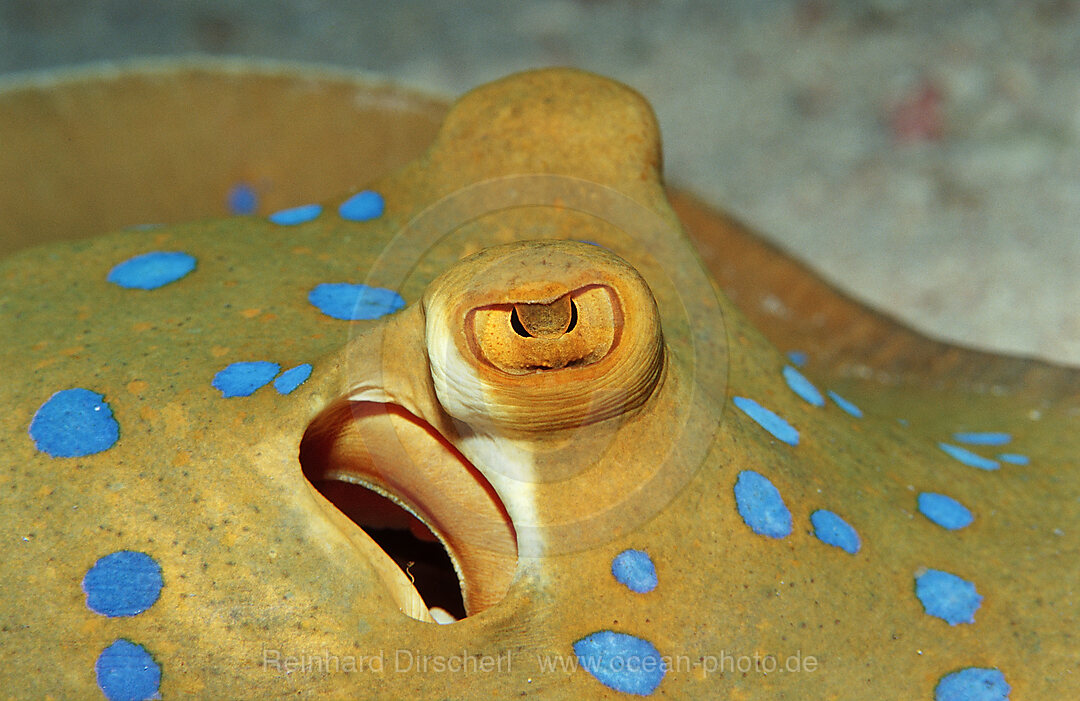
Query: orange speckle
column 45, row 363
column 218, row 351
column 161, row 238
column 141, row 326
column 229, row 283
column 176, row 420
column 43, row 491
column 149, row 414
column 301, row 251
column 323, row 256
column 250, row 313
column 269, row 317
column 40, row 345
column 182, row 458
column 137, row 387
column 74, row 350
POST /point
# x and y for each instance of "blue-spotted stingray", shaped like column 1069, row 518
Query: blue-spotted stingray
column 519, row 351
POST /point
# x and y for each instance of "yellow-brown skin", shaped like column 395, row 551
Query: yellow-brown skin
column 254, row 559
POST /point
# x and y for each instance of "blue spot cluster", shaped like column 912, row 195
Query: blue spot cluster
column 760, row 505
column 797, row 358
column 150, row 271
column 945, row 511
column 242, row 199
column 123, row 583
column 292, row 378
column 242, row 379
column 127, row 672
column 982, row 437
column 968, row 458
column 948, row 597
column 73, row 423
column 363, row 206
column 833, row 530
column 845, row 404
column 973, row 684
column 296, row 215
column 759, row 502
column 942, row 594
column 802, row 386
column 780, row 429
column 635, row 569
column 77, row 422
column 349, row 302
column 622, row 662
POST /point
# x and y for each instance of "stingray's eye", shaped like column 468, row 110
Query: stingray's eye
column 578, row 328
column 539, row 336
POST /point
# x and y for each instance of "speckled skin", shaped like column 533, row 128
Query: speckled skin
column 254, row 559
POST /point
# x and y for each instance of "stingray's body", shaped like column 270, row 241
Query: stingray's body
column 536, row 465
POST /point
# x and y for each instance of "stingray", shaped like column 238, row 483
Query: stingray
column 518, row 351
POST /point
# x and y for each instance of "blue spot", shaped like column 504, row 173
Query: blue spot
column 242, row 199
column 342, row 300
column 948, row 597
column 363, row 206
column 845, row 405
column 973, row 684
column 622, row 662
column 833, row 530
column 760, row 505
column 635, row 569
column 802, row 386
column 1014, row 458
column 982, row 438
column 797, row 358
column 242, row 379
column 769, row 421
column 296, row 215
column 903, row 422
column 969, row 458
column 151, row 270
column 123, row 583
column 126, row 672
column 945, row 511
column 292, row 378
column 73, row 423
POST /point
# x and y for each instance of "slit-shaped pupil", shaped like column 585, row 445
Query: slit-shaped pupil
column 519, row 328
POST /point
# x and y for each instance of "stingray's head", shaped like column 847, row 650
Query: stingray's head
column 507, row 407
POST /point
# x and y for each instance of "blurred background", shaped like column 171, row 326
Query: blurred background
column 922, row 155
